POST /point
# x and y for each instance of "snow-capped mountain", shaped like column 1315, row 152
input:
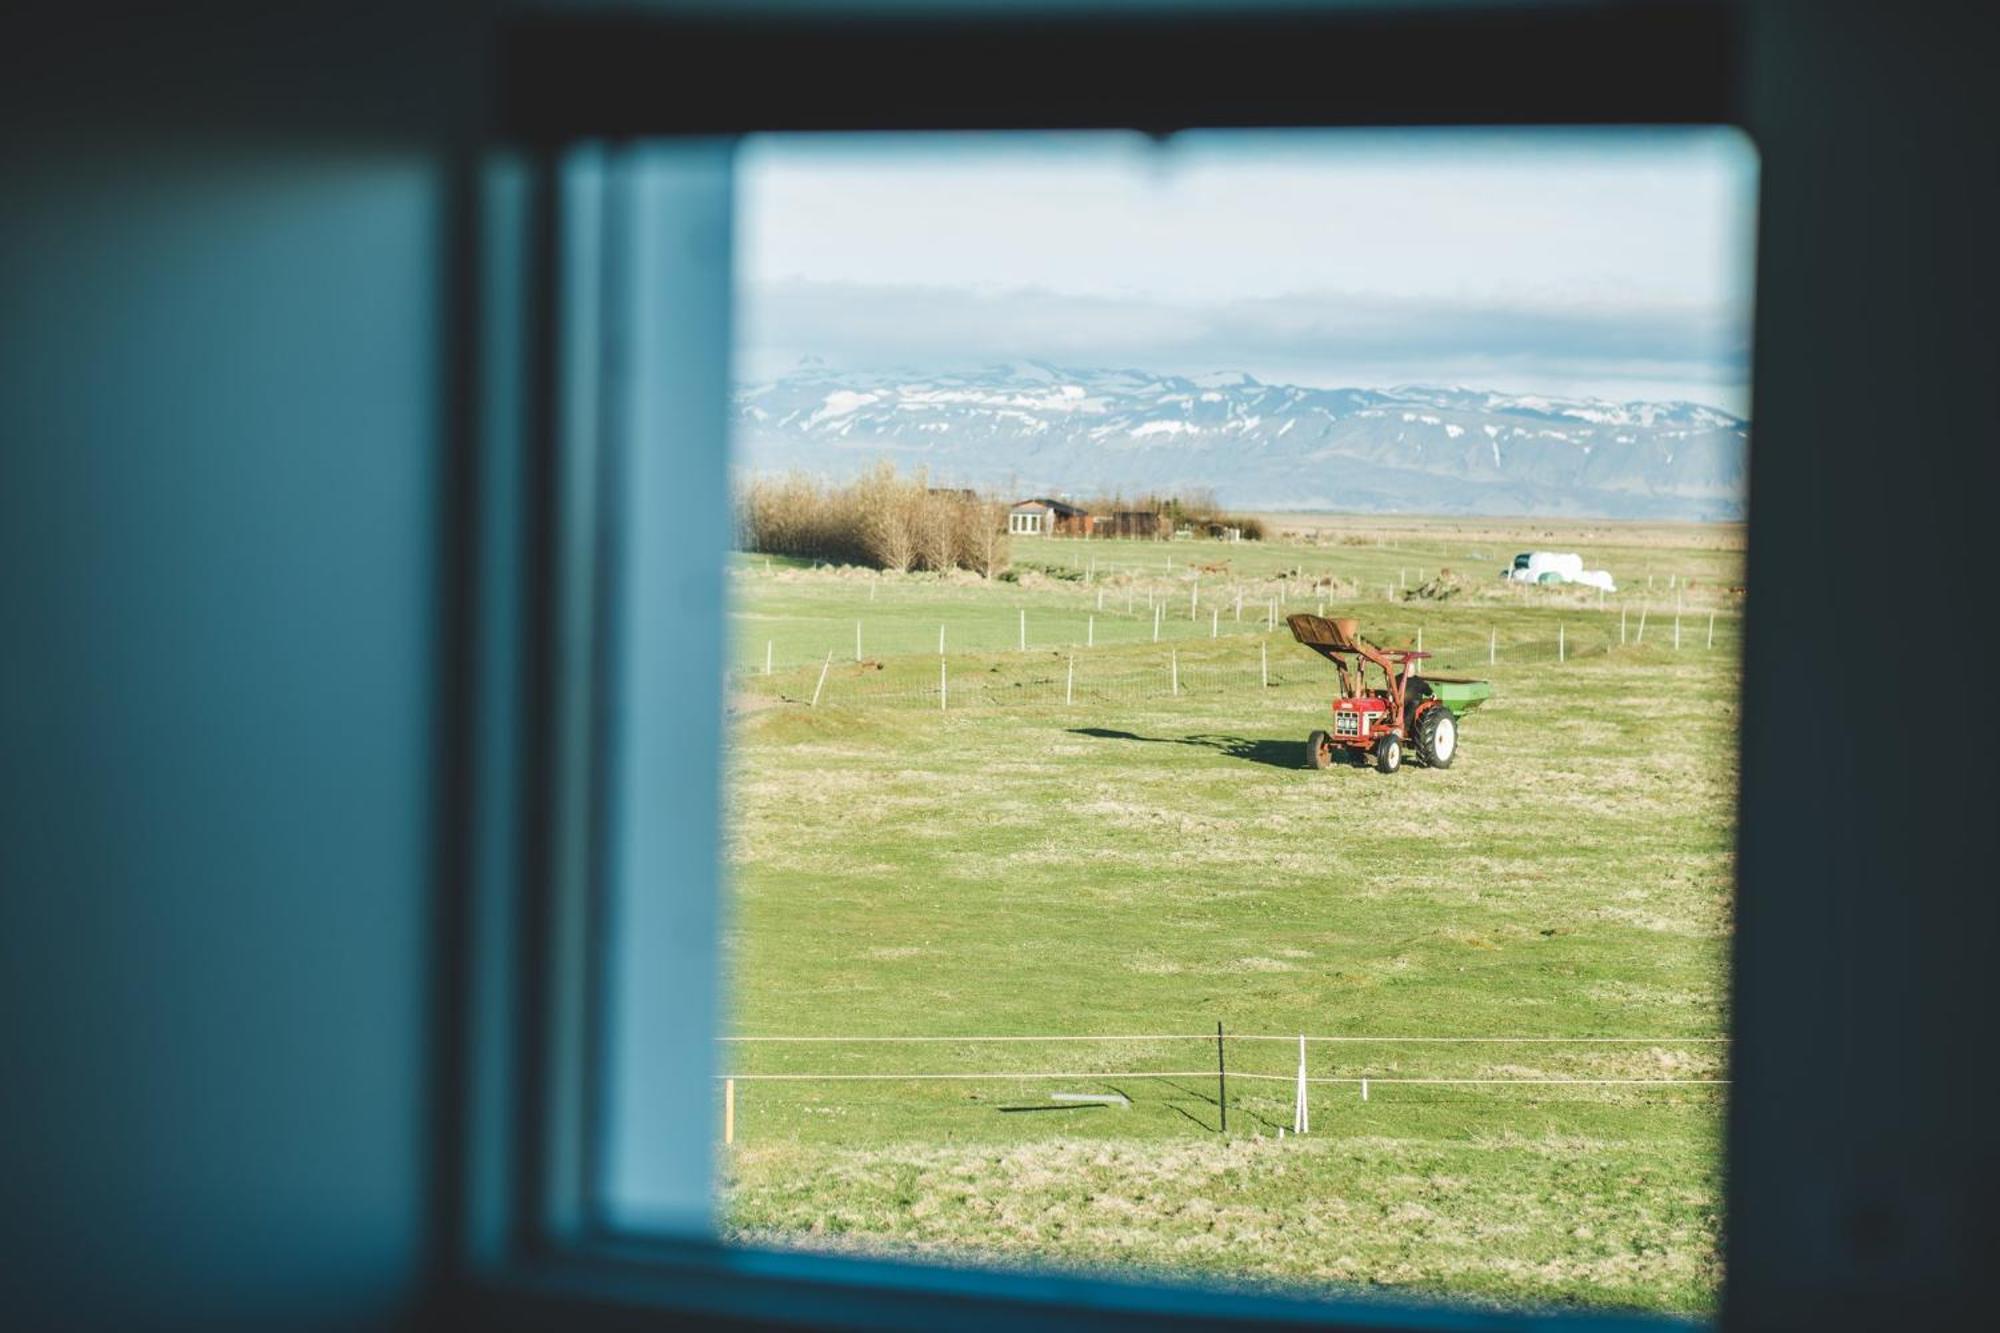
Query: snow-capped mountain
column 1039, row 429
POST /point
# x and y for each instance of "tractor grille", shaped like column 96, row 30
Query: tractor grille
column 1347, row 724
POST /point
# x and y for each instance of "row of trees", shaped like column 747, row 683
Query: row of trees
column 882, row 521
column 1196, row 508
column 885, row 521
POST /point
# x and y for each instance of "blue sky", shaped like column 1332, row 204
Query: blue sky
column 1610, row 263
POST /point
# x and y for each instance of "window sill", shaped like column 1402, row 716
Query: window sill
column 633, row 1284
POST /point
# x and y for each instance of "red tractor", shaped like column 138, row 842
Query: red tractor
column 1406, row 710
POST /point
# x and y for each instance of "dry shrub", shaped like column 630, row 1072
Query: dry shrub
column 881, row 521
column 1440, row 587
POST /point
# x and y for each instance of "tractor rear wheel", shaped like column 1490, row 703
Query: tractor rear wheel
column 1437, row 737
column 1413, row 699
column 1388, row 754
column 1319, row 751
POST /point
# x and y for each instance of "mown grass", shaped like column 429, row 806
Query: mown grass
column 1142, row 863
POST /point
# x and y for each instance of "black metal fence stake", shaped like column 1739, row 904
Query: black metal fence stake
column 1221, row 1078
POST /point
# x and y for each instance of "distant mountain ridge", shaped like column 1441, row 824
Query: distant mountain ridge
column 1042, row 429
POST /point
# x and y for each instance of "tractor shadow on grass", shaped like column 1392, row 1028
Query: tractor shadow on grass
column 1276, row 754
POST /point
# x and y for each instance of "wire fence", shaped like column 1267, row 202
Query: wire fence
column 1269, row 666
column 1425, row 1061
column 1678, row 1071
column 854, row 615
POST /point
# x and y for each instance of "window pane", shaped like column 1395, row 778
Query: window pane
column 1050, row 832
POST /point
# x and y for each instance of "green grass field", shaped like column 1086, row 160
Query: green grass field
column 1121, row 839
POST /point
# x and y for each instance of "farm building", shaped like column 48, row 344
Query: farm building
column 1132, row 523
column 1044, row 517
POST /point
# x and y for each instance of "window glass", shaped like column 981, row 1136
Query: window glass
column 1302, row 854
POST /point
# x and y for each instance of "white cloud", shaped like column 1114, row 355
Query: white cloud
column 1538, row 261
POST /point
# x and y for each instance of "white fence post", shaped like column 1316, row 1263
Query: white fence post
column 1640, row 636
column 767, row 646
column 1214, row 621
column 1264, row 662
column 940, row 640
column 1156, row 624
column 1069, row 682
column 1711, row 629
column 1301, row 1113
column 1492, row 645
column 1174, row 666
column 823, row 667
column 1024, row 629
column 857, row 641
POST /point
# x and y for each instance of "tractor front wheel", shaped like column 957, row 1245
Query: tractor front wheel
column 1319, row 751
column 1388, row 754
column 1437, row 737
